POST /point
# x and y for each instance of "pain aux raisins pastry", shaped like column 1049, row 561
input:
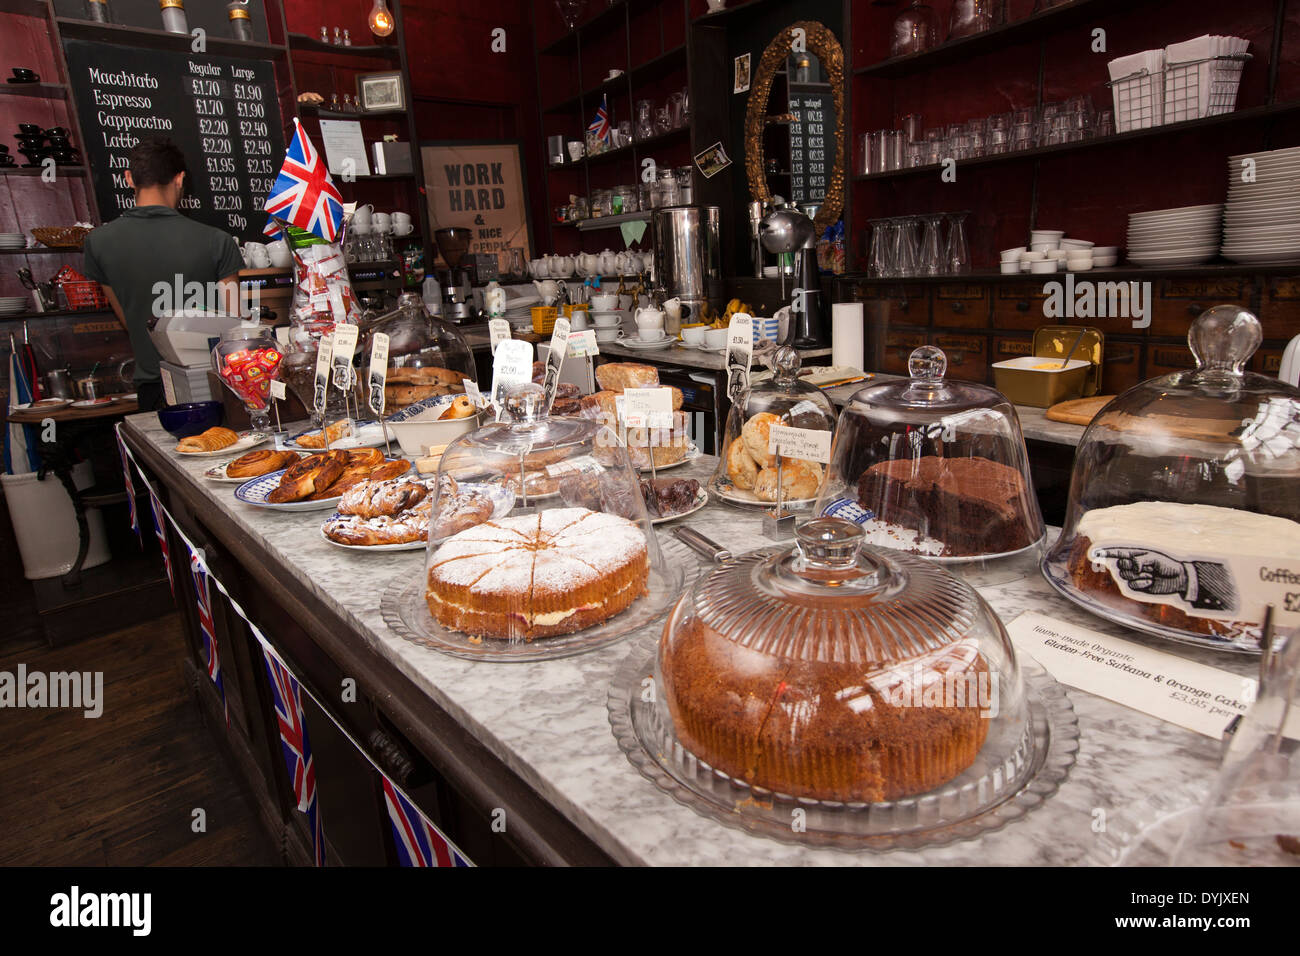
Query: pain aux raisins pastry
column 537, row 575
column 398, row 511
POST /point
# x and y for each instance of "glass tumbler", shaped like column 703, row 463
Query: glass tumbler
column 915, row 30
column 931, row 259
column 969, row 17
column 958, row 251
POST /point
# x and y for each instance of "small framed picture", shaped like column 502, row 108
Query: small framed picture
column 742, row 74
column 381, row 91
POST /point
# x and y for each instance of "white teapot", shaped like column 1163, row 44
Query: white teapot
column 562, row 267
column 608, row 262
column 588, row 264
column 549, row 290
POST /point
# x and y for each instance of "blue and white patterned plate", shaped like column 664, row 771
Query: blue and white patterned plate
column 254, row 491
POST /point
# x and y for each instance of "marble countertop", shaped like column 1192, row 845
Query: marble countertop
column 548, row 721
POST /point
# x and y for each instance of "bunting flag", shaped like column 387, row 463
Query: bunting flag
column 160, row 530
column 207, row 624
column 419, row 842
column 295, row 745
column 130, row 484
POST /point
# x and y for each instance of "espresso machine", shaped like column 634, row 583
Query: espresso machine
column 457, row 280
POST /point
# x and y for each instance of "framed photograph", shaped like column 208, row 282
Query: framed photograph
column 381, row 91
column 712, row 161
column 741, row 83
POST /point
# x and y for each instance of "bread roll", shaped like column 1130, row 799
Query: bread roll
column 755, row 433
column 460, row 407
column 741, row 467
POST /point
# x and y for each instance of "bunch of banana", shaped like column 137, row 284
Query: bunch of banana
column 734, row 306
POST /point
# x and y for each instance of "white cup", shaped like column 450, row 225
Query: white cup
column 361, row 216
column 578, row 320
column 673, row 309
column 607, row 321
column 694, row 334
column 1013, row 255
column 256, row 256
column 651, row 335
column 715, row 338
column 382, row 222
column 575, row 150
column 401, row 218
column 279, row 254
column 608, row 335
column 360, row 228
column 405, row 230
column 604, row 303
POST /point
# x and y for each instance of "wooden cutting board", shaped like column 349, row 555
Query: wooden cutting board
column 1078, row 411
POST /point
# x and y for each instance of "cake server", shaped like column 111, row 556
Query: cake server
column 702, row 545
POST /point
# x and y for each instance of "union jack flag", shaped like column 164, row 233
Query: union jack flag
column 599, row 127
column 207, row 624
column 130, row 484
column 160, row 529
column 303, row 194
column 419, row 842
column 295, row 745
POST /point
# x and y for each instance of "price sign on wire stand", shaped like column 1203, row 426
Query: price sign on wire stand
column 740, row 355
column 512, row 364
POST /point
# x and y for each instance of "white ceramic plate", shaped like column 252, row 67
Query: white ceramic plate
column 45, row 405
column 372, row 548
column 692, row 452
column 701, row 499
column 246, row 441
column 254, row 491
column 638, row 346
column 1190, row 259
column 93, row 402
column 1174, row 210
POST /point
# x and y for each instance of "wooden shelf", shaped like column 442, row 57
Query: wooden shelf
column 1031, row 27
column 163, row 40
column 303, row 43
column 1209, row 270
column 1101, row 142
column 602, row 19
column 608, row 222
column 322, row 112
column 44, row 91
column 25, row 8
column 654, row 68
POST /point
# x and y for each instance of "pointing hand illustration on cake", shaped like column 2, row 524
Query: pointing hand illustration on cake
column 1203, row 585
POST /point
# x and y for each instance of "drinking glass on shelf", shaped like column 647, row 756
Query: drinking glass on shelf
column 645, row 125
column 917, row 154
column 931, row 259
column 1104, row 124
column 911, row 125
column 625, row 132
column 686, row 105
column 677, row 110
column 893, row 148
column 957, row 258
column 969, row 17
column 663, row 120
column 878, row 263
column 915, row 30
column 906, row 246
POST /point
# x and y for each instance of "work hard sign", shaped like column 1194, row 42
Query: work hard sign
column 480, row 187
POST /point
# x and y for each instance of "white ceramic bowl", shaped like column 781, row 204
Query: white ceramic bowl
column 1076, row 244
column 1009, row 267
column 424, row 430
column 1042, row 235
column 1013, row 255
column 1105, row 262
column 1044, row 267
column 1060, row 255
column 1045, row 245
column 1104, row 251
column 1078, row 265
column 1033, row 256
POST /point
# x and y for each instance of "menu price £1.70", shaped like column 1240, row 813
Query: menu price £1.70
column 236, row 141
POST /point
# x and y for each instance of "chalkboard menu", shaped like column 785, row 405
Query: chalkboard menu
column 223, row 113
column 814, row 122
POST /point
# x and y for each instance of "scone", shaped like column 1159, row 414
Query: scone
column 755, row 434
column 741, row 467
column 800, row 480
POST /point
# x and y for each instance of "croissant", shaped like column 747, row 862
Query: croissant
column 260, row 462
column 214, row 439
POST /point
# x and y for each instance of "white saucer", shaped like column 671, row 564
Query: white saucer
column 637, row 345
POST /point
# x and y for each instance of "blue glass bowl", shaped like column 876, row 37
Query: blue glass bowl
column 190, row 418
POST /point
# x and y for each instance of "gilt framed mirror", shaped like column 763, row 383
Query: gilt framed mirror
column 795, row 120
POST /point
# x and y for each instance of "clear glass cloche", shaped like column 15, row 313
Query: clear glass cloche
column 1184, row 510
column 936, row 468
column 747, row 473
column 539, row 544
column 427, row 358
column 828, row 670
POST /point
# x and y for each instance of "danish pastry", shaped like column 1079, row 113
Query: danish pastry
column 372, row 499
column 365, row 456
column 369, row 532
column 390, row 469
column 261, row 462
column 214, row 439
column 340, row 429
column 304, row 479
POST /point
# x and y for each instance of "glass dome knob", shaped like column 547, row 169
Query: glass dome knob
column 1224, row 338
column 785, row 364
column 928, row 364
column 526, row 403
column 830, row 549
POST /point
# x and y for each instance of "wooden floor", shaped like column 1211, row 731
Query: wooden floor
column 119, row 790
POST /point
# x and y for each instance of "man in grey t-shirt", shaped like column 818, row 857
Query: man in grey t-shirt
column 153, row 243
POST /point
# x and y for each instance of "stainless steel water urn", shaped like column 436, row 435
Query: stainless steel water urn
column 688, row 256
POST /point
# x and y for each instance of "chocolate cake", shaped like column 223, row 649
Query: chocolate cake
column 974, row 506
column 665, row 497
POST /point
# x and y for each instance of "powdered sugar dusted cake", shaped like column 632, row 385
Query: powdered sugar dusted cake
column 538, row 575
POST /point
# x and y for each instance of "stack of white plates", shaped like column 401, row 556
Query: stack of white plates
column 1186, row 236
column 12, row 241
column 13, row 304
column 1261, row 223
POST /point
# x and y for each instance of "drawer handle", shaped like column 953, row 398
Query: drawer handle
column 958, row 307
column 1195, row 309
column 1022, row 306
column 904, row 305
column 391, row 756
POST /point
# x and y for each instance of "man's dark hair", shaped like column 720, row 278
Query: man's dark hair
column 155, row 161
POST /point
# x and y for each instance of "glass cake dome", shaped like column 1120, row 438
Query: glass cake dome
column 747, row 471
column 939, row 469
column 872, row 690
column 539, row 544
column 427, row 358
column 1183, row 488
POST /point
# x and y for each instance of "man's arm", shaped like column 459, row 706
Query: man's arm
column 228, row 294
column 117, row 307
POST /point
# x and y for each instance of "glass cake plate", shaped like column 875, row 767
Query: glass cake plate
column 405, row 611
column 987, row 796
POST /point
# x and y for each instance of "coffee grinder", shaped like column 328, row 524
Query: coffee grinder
column 790, row 231
column 457, row 280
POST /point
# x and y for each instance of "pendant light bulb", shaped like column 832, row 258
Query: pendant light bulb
column 381, row 19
